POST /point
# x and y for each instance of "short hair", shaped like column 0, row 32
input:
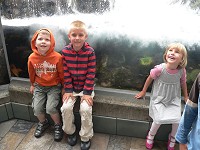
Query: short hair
column 77, row 25
column 44, row 31
column 182, row 49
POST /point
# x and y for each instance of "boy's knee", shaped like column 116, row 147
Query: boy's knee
column 51, row 110
column 38, row 110
column 85, row 108
column 66, row 107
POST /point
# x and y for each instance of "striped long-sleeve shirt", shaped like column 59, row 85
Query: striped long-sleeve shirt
column 79, row 69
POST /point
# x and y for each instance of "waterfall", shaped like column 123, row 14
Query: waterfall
column 129, row 36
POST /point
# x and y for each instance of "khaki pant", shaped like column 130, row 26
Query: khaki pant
column 85, row 111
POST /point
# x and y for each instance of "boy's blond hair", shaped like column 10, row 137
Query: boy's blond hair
column 77, row 25
column 181, row 48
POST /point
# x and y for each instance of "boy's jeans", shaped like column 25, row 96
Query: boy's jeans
column 85, row 111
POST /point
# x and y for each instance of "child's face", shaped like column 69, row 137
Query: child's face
column 77, row 38
column 43, row 43
column 174, row 56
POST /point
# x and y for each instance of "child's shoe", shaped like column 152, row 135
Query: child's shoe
column 58, row 133
column 171, row 142
column 71, row 139
column 149, row 145
column 85, row 145
column 41, row 127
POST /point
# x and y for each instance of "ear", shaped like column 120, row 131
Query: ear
column 86, row 36
column 68, row 36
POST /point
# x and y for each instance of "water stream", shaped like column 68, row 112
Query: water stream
column 129, row 38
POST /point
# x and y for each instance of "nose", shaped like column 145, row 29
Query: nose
column 172, row 52
column 43, row 41
column 77, row 37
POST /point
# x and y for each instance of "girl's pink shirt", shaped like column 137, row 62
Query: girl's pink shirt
column 156, row 71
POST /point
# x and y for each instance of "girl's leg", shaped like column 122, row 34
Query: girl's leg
column 174, row 129
column 152, row 132
column 172, row 141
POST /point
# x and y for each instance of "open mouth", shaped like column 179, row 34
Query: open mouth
column 171, row 57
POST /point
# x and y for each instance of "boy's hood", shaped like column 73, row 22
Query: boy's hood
column 34, row 49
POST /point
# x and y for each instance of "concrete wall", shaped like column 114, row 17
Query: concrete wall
column 4, row 74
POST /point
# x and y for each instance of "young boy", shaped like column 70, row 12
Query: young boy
column 46, row 76
column 79, row 62
column 189, row 127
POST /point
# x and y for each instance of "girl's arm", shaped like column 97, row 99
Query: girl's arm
column 146, row 85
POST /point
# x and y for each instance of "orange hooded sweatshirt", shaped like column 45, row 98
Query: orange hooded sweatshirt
column 45, row 70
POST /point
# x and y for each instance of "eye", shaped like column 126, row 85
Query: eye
column 39, row 39
column 81, row 35
column 73, row 35
column 177, row 51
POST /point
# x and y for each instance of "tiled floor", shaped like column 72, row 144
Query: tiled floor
column 18, row 135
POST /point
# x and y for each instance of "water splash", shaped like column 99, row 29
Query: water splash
column 148, row 21
column 128, row 40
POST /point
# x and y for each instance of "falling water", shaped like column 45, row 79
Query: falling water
column 129, row 38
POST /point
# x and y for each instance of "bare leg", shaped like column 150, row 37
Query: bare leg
column 41, row 118
column 56, row 118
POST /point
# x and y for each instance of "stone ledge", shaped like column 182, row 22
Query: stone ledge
column 4, row 94
column 115, row 111
column 107, row 102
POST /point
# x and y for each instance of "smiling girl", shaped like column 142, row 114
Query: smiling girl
column 165, row 103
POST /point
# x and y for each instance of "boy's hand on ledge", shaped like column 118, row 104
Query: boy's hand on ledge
column 88, row 99
column 140, row 95
column 63, row 91
column 32, row 89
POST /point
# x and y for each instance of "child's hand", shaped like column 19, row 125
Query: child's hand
column 66, row 96
column 88, row 99
column 140, row 95
column 185, row 99
column 32, row 89
column 183, row 146
column 63, row 91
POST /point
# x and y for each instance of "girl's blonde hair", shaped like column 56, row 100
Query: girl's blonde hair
column 181, row 48
column 77, row 25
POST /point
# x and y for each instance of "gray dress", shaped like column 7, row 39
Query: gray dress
column 165, row 103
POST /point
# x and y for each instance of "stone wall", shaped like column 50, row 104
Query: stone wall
column 4, row 76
